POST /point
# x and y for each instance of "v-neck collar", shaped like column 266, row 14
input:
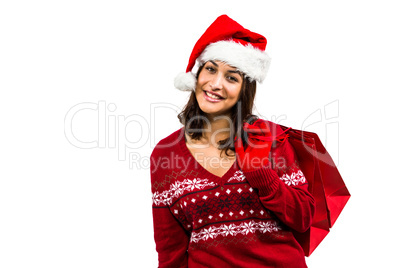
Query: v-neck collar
column 186, row 152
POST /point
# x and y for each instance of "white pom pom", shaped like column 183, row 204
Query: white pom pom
column 185, row 81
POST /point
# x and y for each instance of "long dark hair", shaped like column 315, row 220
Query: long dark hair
column 191, row 115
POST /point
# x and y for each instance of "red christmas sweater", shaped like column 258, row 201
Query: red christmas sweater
column 243, row 219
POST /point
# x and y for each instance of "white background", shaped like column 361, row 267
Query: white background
column 65, row 206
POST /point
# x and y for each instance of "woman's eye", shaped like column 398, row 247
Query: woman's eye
column 233, row 79
column 210, row 69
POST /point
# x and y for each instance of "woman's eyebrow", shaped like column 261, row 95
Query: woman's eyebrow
column 230, row 71
column 214, row 63
column 234, row 71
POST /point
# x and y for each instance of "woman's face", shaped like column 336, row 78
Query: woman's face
column 218, row 88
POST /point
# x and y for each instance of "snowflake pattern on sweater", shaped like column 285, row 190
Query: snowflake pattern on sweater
column 230, row 204
column 234, row 229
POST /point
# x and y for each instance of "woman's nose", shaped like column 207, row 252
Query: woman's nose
column 216, row 82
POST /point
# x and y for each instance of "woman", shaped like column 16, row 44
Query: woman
column 227, row 189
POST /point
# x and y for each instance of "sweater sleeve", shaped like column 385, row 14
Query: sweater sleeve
column 283, row 189
column 171, row 238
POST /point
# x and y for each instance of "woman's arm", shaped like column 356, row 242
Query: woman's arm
column 171, row 238
column 283, row 189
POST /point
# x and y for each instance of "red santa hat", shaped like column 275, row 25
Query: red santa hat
column 226, row 40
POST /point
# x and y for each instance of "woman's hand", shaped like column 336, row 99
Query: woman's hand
column 259, row 142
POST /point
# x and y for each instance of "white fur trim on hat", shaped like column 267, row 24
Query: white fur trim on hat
column 185, row 81
column 251, row 61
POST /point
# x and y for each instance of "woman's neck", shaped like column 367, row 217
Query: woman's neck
column 217, row 128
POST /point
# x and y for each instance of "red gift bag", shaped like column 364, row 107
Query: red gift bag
column 325, row 184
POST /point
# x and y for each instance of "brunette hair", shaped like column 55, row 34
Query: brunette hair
column 191, row 115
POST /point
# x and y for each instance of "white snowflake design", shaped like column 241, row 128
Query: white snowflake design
column 294, row 179
column 243, row 228
column 177, row 188
column 238, row 176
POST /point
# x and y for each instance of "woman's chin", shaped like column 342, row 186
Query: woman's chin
column 214, row 112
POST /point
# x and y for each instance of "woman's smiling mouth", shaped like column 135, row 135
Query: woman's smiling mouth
column 211, row 97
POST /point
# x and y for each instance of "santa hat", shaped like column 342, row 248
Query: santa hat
column 226, row 40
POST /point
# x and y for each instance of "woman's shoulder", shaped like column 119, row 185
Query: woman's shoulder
column 168, row 143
